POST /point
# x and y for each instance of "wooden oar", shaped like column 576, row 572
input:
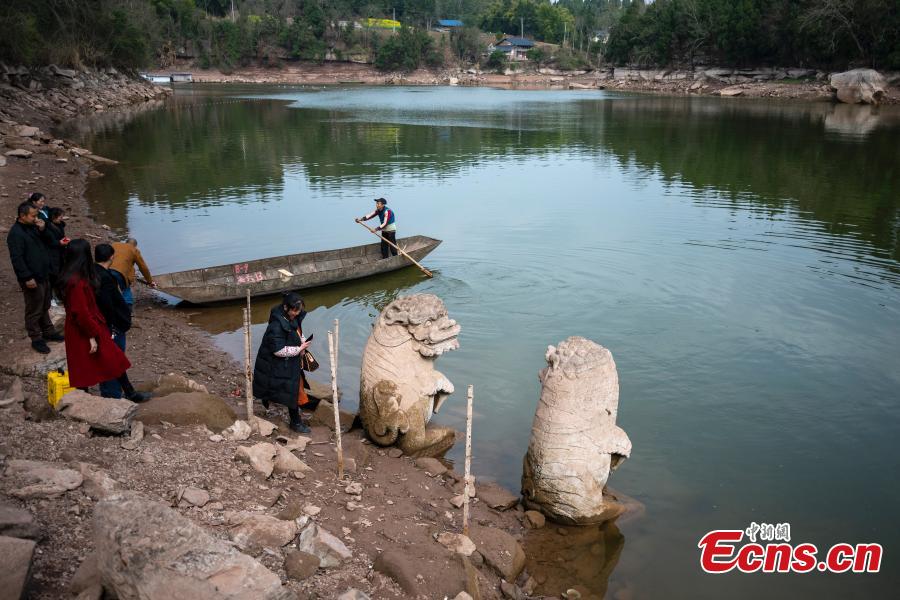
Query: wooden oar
column 424, row 270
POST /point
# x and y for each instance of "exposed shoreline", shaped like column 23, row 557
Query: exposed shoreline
column 735, row 83
column 389, row 527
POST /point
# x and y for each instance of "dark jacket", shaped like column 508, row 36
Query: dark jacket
column 52, row 236
column 111, row 303
column 278, row 379
column 29, row 256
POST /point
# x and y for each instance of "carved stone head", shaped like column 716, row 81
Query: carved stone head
column 421, row 319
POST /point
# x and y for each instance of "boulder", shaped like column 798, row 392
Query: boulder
column 447, row 573
column 500, row 550
column 24, row 362
column 858, row 86
column 287, row 462
column 238, row 431
column 106, row 415
column 173, row 383
column 495, row 496
column 730, row 92
column 262, row 531
column 187, row 408
column 456, row 542
column 40, row 479
column 300, row 565
column 147, row 551
column 17, row 522
column 15, row 566
column 195, row 496
column 259, row 456
column 262, row 427
column 20, row 153
column 27, row 131
column 324, row 415
column 330, row 551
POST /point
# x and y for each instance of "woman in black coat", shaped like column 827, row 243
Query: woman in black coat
column 277, row 375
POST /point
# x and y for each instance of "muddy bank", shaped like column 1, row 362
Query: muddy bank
column 798, row 84
column 388, row 520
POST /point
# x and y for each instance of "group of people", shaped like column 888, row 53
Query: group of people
column 95, row 289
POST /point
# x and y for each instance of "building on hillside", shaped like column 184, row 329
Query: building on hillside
column 601, row 35
column 448, row 25
column 514, row 47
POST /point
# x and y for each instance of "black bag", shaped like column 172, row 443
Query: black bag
column 308, row 362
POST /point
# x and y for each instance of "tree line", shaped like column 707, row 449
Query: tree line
column 135, row 34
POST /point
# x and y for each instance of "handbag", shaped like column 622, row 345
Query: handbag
column 308, row 362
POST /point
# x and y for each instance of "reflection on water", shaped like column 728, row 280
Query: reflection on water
column 579, row 558
column 741, row 260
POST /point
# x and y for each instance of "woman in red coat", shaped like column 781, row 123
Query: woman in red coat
column 91, row 354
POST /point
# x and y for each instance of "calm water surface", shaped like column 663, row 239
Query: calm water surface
column 741, row 261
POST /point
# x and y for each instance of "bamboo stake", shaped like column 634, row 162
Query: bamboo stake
column 337, row 347
column 337, row 416
column 468, row 477
column 396, row 247
column 248, row 375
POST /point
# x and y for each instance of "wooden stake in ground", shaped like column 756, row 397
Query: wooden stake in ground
column 248, row 370
column 334, row 400
column 337, row 347
column 468, row 477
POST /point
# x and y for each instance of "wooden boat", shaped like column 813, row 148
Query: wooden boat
column 292, row 272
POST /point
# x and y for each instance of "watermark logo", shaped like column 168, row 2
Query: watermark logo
column 722, row 551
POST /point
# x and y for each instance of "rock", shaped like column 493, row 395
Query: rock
column 173, row 383
column 511, row 591
column 353, row 594
column 216, row 438
column 238, row 432
column 292, row 511
column 95, row 592
column 500, row 550
column 324, row 415
column 866, row 86
column 26, row 131
column 270, row 497
column 731, row 92
column 300, row 565
column 458, row 501
column 26, row 363
column 430, row 465
column 20, row 153
column 13, row 395
column 495, row 496
column 297, row 443
column 107, row 415
column 447, row 573
column 262, row 531
column 101, row 159
column 462, row 596
column 259, row 456
column 97, row 483
column 456, row 542
column 188, row 408
column 195, row 496
column 2, row 161
column 39, row 410
column 534, row 519
column 262, row 427
column 15, row 566
column 136, row 437
column 40, row 479
column 311, row 510
column 350, row 464
column 147, row 550
column 354, row 489
column 287, row 462
column 395, row 452
column 330, row 551
column 19, row 523
column 87, row 575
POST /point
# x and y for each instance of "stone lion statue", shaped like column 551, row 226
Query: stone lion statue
column 575, row 442
column 399, row 388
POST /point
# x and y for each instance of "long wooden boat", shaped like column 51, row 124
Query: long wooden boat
column 291, row 272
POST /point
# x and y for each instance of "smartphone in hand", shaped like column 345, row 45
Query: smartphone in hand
column 309, row 339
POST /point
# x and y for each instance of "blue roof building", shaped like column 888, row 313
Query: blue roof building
column 449, row 23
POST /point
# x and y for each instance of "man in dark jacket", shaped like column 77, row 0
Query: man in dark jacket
column 32, row 266
column 113, row 308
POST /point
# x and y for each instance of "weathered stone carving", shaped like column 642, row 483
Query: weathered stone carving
column 399, row 387
column 575, row 441
column 866, row 86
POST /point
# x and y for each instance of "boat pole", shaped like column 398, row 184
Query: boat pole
column 334, row 401
column 468, row 477
column 397, row 248
column 248, row 373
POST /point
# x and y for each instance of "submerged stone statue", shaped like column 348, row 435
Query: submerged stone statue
column 399, row 388
column 575, row 442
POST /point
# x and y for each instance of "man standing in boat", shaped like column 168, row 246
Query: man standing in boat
column 387, row 228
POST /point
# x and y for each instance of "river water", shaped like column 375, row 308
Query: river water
column 740, row 259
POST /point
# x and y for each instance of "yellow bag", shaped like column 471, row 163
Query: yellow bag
column 57, row 386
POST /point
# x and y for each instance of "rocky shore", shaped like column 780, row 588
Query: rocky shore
column 799, row 84
column 102, row 497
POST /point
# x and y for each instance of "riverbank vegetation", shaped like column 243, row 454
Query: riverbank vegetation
column 571, row 34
